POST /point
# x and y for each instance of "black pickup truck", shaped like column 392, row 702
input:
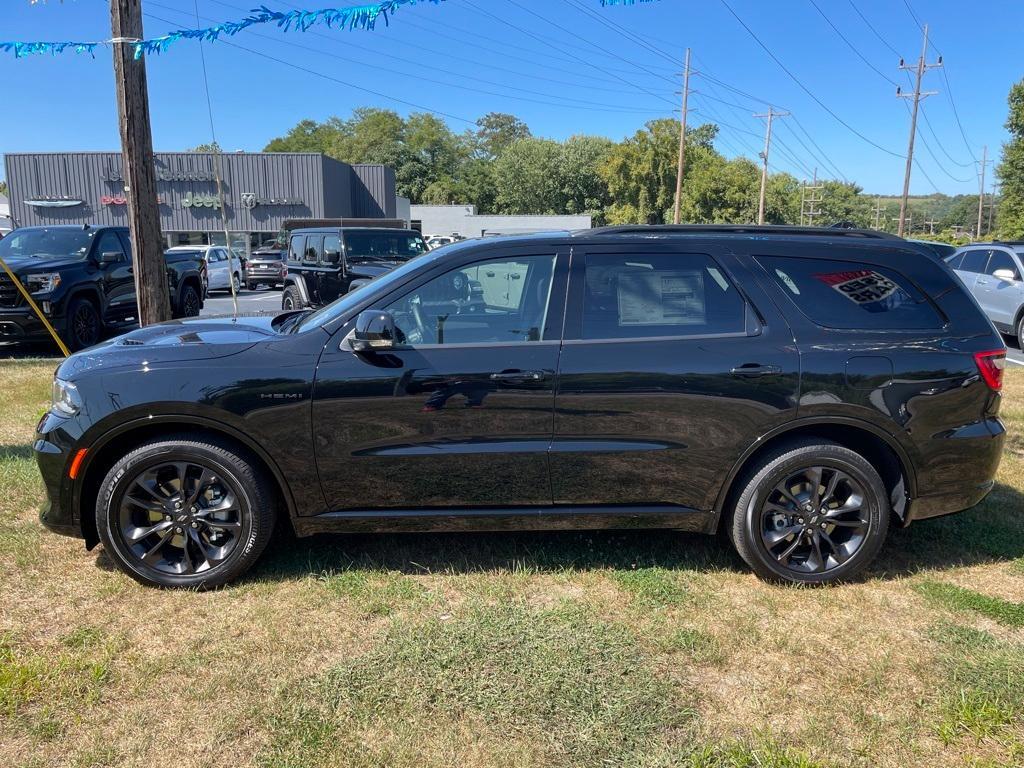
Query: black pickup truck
column 82, row 279
column 327, row 262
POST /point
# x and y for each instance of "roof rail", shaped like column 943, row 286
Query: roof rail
column 735, row 229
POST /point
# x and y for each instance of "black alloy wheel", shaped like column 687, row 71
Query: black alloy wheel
column 84, row 324
column 189, row 302
column 810, row 512
column 183, row 513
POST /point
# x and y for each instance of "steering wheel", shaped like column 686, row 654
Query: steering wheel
column 417, row 316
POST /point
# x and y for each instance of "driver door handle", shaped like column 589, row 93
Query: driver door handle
column 518, row 376
column 753, row 369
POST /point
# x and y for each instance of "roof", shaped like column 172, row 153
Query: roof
column 390, row 230
column 784, row 230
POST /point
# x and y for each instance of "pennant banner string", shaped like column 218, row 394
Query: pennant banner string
column 352, row 17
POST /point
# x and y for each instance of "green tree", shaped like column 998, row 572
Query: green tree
column 213, row 146
column 583, row 187
column 1011, row 170
column 527, row 180
column 641, row 172
column 496, row 131
column 844, row 201
column 3, row 187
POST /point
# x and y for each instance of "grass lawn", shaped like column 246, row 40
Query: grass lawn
column 529, row 649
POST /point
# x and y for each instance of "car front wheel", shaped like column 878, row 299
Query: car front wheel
column 84, row 324
column 180, row 512
column 290, row 299
column 810, row 512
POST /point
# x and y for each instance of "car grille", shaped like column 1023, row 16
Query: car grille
column 9, row 295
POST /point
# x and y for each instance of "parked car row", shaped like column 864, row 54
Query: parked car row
column 82, row 278
column 799, row 389
column 994, row 274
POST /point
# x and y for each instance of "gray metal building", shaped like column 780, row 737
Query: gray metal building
column 261, row 190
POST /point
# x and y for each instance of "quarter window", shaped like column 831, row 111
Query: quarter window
column 647, row 295
column 844, row 294
column 484, row 303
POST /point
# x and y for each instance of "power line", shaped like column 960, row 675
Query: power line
column 872, row 28
column 621, row 30
column 927, row 122
column 850, row 45
column 810, row 138
column 804, row 88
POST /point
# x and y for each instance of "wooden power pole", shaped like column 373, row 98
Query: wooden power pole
column 764, row 159
column 139, row 172
column 920, row 68
column 981, row 191
column 682, row 139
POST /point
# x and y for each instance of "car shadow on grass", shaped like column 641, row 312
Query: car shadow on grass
column 17, row 452
column 991, row 532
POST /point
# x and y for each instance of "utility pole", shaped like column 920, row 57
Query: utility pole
column 930, row 223
column 682, row 138
column 981, row 188
column 771, row 114
column 139, row 171
column 809, row 198
column 991, row 209
column 920, row 68
column 878, row 213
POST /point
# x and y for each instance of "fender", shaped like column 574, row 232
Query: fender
column 92, row 291
column 96, row 446
column 182, row 279
column 844, row 421
column 300, row 284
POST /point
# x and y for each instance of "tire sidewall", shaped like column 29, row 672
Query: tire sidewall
column 77, row 343
column 118, row 481
column 747, row 513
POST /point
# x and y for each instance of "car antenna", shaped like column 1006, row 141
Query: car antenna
column 216, row 151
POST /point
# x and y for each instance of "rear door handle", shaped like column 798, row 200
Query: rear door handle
column 752, row 370
column 518, row 376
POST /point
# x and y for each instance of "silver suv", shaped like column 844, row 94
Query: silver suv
column 992, row 273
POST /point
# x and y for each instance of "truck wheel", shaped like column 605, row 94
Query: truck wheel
column 189, row 303
column 250, row 286
column 84, row 324
column 810, row 512
column 291, row 299
column 182, row 512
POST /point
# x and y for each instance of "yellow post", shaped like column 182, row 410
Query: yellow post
column 35, row 307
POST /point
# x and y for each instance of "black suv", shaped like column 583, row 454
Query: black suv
column 82, row 279
column 327, row 262
column 800, row 389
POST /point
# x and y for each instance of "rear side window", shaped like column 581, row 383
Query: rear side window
column 1001, row 260
column 844, row 294
column 629, row 296
column 313, row 245
column 974, row 261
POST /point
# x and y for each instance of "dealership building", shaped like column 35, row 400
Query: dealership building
column 463, row 220
column 261, row 191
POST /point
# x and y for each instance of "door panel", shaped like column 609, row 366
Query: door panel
column 1000, row 298
column 118, row 280
column 438, row 423
column 660, row 418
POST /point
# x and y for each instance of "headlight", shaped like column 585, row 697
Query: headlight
column 65, row 400
column 42, row 283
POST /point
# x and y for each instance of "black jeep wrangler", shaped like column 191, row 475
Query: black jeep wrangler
column 327, row 262
column 82, row 279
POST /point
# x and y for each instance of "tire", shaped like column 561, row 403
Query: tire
column 291, row 299
column 1020, row 333
column 189, row 303
column 84, row 325
column 162, row 545
column 784, row 541
column 250, row 286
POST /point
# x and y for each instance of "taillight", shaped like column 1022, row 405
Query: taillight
column 990, row 366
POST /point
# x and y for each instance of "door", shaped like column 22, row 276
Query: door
column 970, row 266
column 216, row 269
column 668, row 373
column 460, row 416
column 118, row 279
column 332, row 277
column 1000, row 297
column 297, row 265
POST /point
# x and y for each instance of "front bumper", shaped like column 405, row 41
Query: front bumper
column 54, row 447
column 22, row 324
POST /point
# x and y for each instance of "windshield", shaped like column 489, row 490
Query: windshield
column 341, row 306
column 43, row 241
column 383, row 245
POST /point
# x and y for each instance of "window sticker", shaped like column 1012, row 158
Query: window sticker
column 673, row 297
column 861, row 286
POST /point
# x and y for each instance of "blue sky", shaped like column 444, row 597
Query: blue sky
column 557, row 66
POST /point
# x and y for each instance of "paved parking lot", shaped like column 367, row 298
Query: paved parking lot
column 260, row 300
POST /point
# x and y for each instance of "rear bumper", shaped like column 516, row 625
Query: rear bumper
column 973, row 458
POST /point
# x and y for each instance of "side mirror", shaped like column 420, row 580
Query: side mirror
column 332, row 257
column 1005, row 274
column 374, row 332
column 110, row 257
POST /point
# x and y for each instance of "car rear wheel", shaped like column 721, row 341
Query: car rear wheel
column 189, row 302
column 810, row 512
column 185, row 513
column 250, row 286
column 84, row 324
column 1020, row 333
column 290, row 299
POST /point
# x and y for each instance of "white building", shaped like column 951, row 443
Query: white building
column 6, row 225
column 465, row 221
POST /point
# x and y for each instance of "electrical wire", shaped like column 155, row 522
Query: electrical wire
column 872, row 28
column 804, row 88
column 851, row 46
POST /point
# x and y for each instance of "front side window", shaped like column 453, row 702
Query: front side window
column 296, row 247
column 1002, row 261
column 487, row 302
column 650, row 295
column 110, row 243
column 843, row 294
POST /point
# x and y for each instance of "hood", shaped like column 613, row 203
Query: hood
column 205, row 338
column 26, row 265
column 372, row 268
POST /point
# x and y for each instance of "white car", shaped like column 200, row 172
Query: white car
column 436, row 241
column 219, row 275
